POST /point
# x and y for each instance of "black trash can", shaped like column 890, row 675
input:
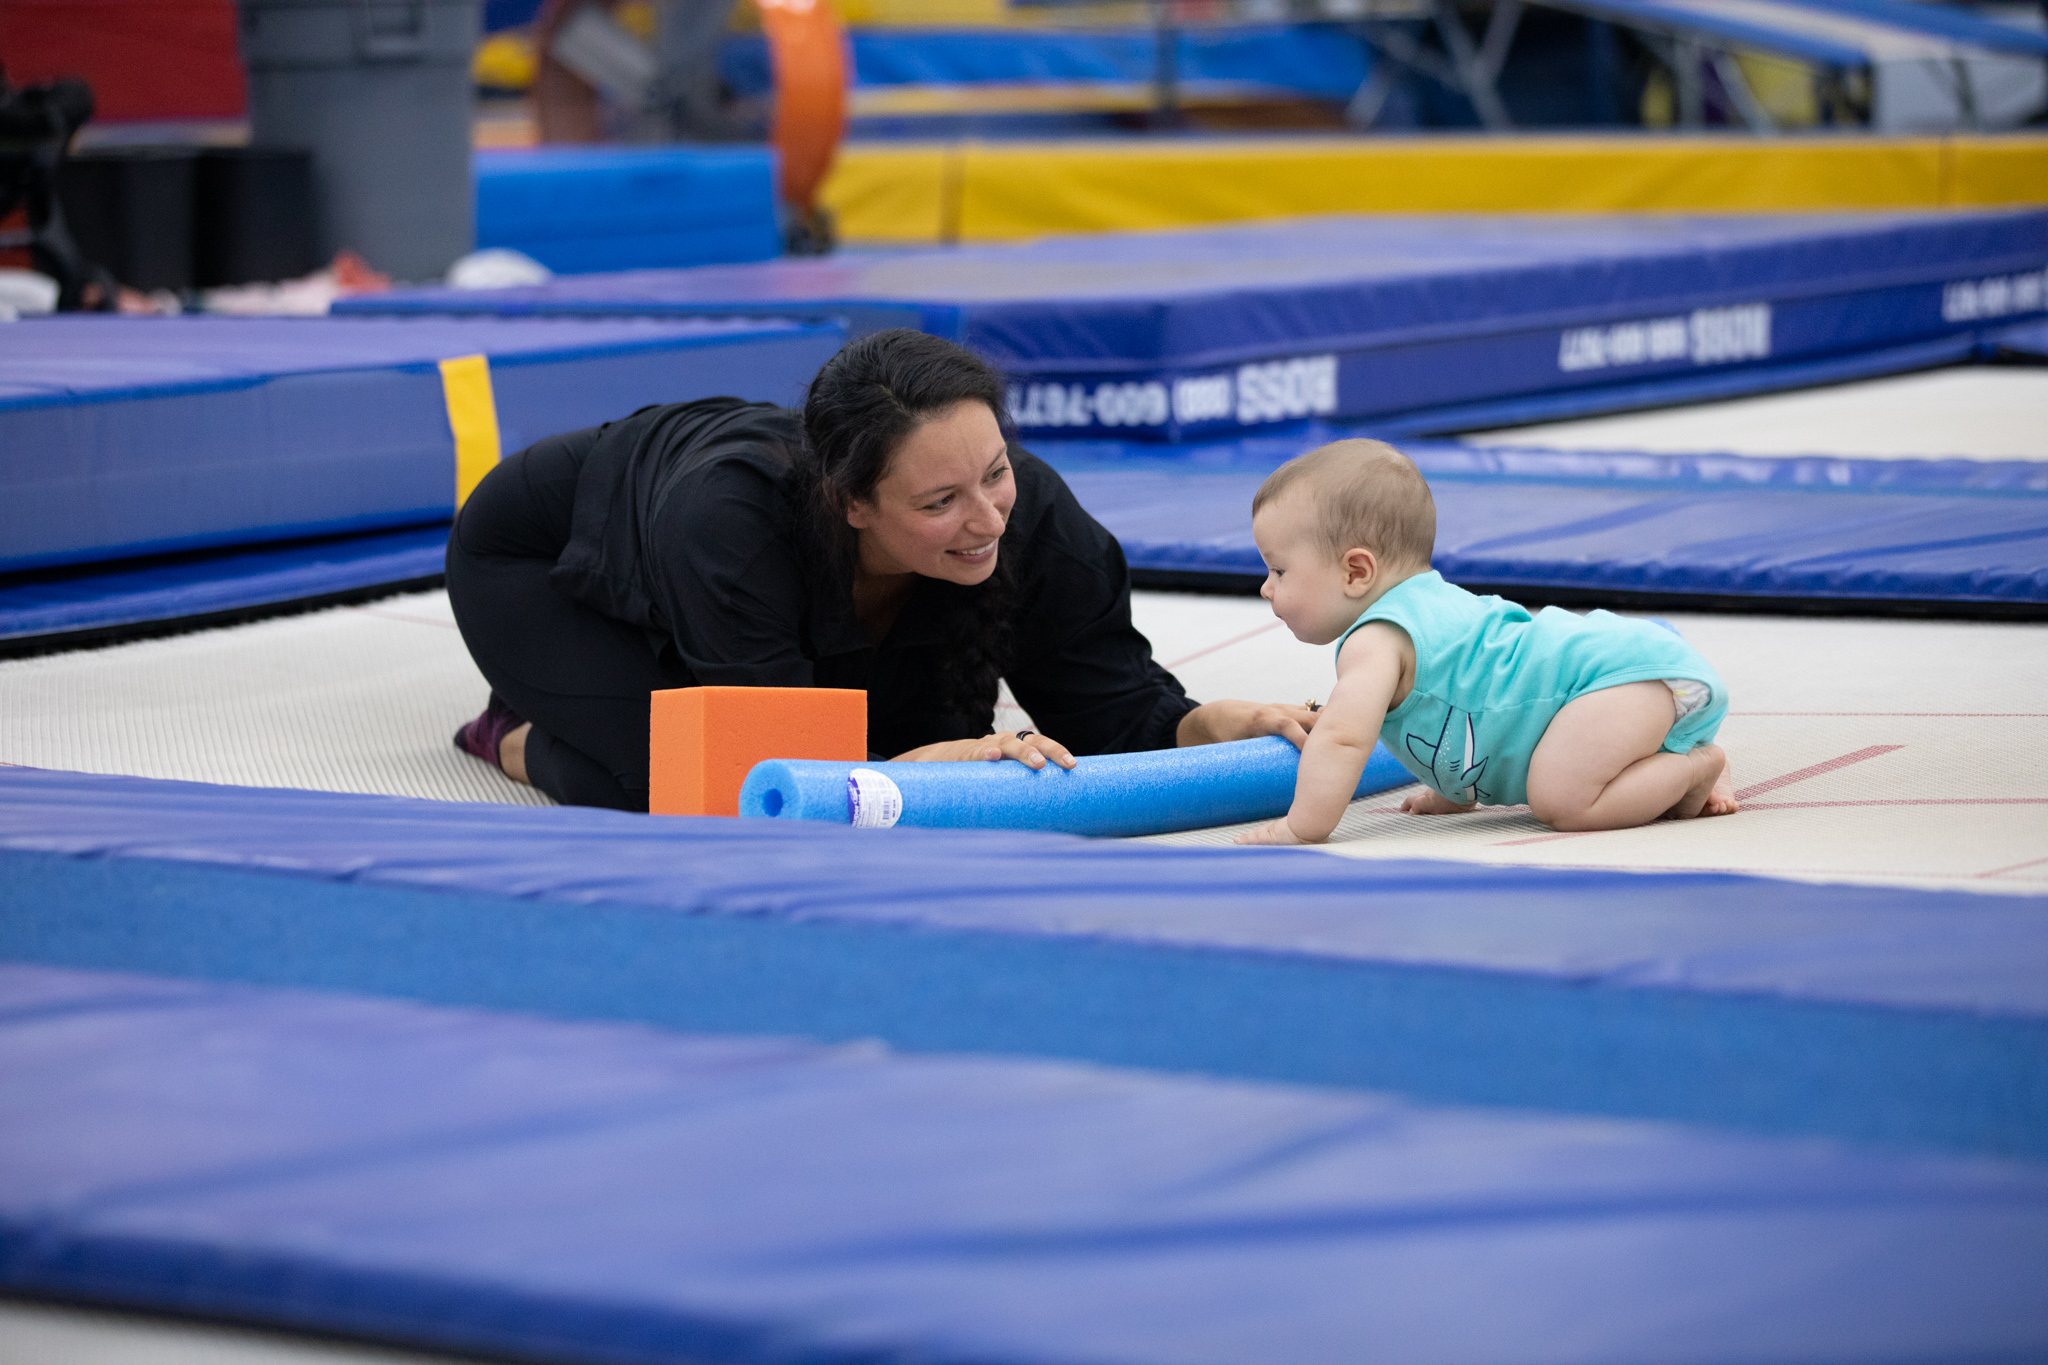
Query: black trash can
column 254, row 216
column 130, row 210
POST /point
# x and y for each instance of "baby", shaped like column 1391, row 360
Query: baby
column 1597, row 721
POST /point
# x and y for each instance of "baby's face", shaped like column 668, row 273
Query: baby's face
column 1304, row 581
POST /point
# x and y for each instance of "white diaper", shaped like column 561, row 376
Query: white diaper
column 1689, row 695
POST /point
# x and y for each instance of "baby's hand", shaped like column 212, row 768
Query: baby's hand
column 1272, row 832
column 1428, row 802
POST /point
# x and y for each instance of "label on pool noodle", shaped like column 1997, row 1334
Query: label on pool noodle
column 876, row 800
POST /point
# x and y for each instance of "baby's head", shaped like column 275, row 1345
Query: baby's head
column 1338, row 527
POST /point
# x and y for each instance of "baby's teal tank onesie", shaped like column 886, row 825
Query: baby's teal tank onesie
column 1489, row 676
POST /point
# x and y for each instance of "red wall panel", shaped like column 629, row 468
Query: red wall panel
column 145, row 59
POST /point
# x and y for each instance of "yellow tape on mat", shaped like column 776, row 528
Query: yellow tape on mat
column 998, row 192
column 473, row 417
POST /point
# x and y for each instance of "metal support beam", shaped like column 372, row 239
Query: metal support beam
column 1757, row 118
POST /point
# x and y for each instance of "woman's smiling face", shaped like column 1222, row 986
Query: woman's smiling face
column 941, row 507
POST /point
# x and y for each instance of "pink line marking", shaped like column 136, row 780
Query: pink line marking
column 1772, row 784
column 1860, row 873
column 1233, row 640
column 1939, row 715
column 2016, row 867
column 1931, row 801
column 1832, row 765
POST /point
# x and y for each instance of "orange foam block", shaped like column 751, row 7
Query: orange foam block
column 703, row 741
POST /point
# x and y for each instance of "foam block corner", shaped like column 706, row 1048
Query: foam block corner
column 703, row 741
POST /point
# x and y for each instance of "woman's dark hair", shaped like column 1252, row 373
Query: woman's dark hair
column 862, row 406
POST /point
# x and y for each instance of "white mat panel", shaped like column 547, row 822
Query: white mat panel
column 355, row 699
column 1931, row 738
column 1976, row 412
column 43, row 1334
column 1894, row 751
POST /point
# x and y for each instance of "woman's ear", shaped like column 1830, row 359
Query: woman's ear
column 859, row 515
column 1361, row 571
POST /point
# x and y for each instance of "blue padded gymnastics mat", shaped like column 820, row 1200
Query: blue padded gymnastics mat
column 1441, row 323
column 2027, row 343
column 122, row 437
column 623, row 208
column 599, row 1194
column 1915, row 1019
column 1949, row 536
column 75, row 607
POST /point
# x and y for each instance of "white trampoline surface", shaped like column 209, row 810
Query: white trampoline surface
column 47, row 1334
column 1880, row 750
column 1974, row 412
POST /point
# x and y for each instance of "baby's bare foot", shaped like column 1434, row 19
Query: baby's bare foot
column 1429, row 802
column 1709, row 778
column 1721, row 800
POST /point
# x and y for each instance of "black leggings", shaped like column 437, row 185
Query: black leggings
column 581, row 677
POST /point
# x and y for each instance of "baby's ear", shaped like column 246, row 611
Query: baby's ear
column 1361, row 570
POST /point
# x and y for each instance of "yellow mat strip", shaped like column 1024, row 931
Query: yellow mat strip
column 980, row 192
column 473, row 418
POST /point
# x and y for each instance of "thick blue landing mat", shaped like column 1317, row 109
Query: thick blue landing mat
column 626, row 208
column 134, row 436
column 1950, row 534
column 1678, row 526
column 2026, row 343
column 75, row 602
column 605, row 1194
column 1912, row 1018
column 1168, row 335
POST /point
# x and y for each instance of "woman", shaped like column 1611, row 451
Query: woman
column 889, row 538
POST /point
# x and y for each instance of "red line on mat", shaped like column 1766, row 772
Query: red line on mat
column 1853, row 872
column 1832, row 765
column 1930, row 801
column 2001, row 871
column 1233, row 640
column 1768, row 785
column 1936, row 715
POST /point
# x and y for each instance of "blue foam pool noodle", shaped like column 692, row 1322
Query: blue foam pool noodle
column 1110, row 795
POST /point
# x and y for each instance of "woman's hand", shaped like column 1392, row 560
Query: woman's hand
column 1026, row 746
column 1218, row 721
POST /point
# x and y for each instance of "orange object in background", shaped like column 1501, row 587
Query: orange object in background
column 807, row 47
column 703, row 741
column 144, row 59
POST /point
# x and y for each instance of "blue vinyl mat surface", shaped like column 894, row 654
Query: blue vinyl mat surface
column 1678, row 526
column 1916, row 1019
column 1953, row 535
column 42, row 606
column 2028, row 343
column 625, row 208
column 597, row 1194
column 138, row 436
column 1163, row 336
column 1305, row 60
